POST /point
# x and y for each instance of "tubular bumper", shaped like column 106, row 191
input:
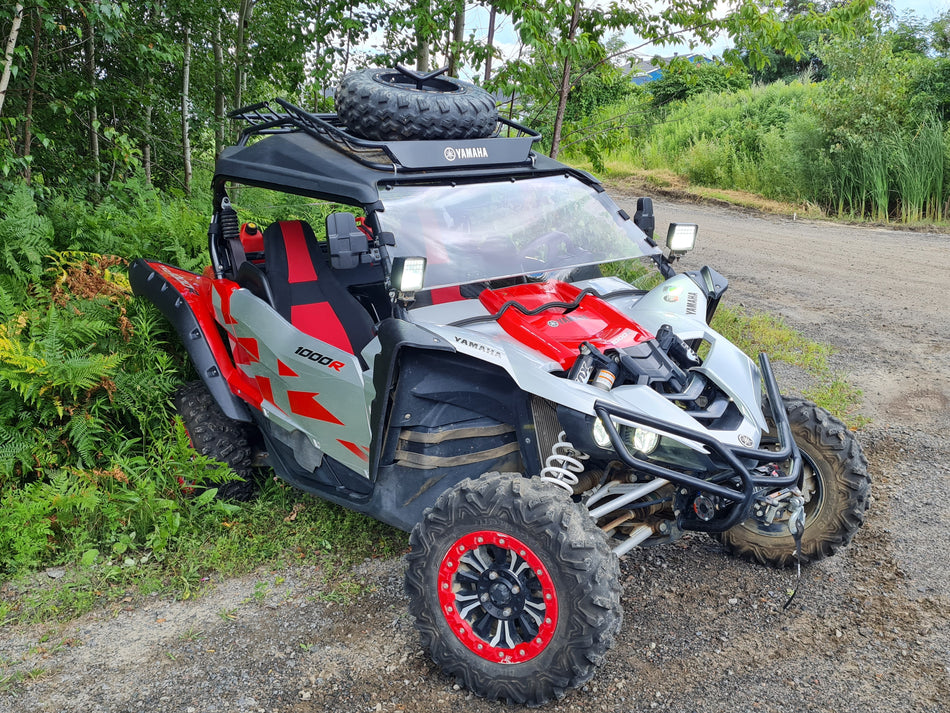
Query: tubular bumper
column 742, row 495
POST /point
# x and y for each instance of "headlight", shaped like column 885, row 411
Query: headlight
column 637, row 439
column 640, row 440
column 601, row 437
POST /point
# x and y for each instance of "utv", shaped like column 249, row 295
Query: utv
column 450, row 358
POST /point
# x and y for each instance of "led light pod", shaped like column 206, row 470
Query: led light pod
column 408, row 274
column 681, row 237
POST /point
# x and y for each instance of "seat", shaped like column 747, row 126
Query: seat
column 307, row 293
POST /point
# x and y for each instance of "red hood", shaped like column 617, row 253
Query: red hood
column 558, row 332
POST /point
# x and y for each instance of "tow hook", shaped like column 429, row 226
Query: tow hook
column 796, row 526
column 796, row 517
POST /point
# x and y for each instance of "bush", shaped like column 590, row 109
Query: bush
column 682, row 79
column 859, row 144
column 86, row 372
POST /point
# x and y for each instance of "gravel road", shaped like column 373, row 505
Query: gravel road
column 868, row 630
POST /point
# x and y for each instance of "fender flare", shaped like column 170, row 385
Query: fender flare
column 201, row 343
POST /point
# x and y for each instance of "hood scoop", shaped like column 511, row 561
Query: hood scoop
column 555, row 318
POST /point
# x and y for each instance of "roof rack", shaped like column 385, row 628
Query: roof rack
column 391, row 156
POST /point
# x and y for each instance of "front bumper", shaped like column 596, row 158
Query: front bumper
column 738, row 483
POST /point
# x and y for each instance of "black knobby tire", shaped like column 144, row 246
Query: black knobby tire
column 385, row 105
column 215, row 435
column 514, row 589
column 836, row 486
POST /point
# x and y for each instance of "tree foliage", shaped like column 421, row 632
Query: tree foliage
column 95, row 93
column 683, row 78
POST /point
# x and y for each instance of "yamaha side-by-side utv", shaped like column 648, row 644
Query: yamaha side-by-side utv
column 479, row 346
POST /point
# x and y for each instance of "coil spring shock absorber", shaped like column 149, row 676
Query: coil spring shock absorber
column 564, row 464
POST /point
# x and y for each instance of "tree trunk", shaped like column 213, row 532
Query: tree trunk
column 244, row 18
column 458, row 36
column 147, row 147
column 422, row 38
column 90, row 46
column 511, row 104
column 565, row 83
column 491, row 39
column 8, row 54
column 349, row 37
column 30, row 95
column 185, row 138
column 218, row 88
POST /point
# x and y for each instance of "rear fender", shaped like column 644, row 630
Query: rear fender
column 177, row 294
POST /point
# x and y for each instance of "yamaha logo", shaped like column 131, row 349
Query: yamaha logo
column 451, row 153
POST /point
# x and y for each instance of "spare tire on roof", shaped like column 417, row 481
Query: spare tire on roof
column 398, row 104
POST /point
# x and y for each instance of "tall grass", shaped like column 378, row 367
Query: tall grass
column 778, row 140
column 919, row 171
column 898, row 175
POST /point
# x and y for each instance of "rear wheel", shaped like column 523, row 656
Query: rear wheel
column 215, row 435
column 836, row 487
column 514, row 589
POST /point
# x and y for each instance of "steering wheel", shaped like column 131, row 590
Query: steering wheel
column 547, row 251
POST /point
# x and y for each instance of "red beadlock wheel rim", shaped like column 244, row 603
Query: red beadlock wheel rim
column 497, row 597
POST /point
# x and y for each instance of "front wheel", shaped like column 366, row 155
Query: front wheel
column 834, row 482
column 514, row 589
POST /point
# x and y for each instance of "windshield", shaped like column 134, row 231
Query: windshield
column 485, row 231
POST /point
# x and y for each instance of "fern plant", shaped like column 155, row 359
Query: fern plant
column 26, row 237
column 87, row 364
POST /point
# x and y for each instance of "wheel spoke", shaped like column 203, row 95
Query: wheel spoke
column 470, row 607
column 465, row 577
column 530, row 624
column 521, row 568
column 473, row 559
column 503, row 633
column 483, row 626
column 534, row 610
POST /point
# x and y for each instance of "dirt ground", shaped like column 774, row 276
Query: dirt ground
column 868, row 630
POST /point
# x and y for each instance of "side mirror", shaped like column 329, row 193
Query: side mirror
column 644, row 218
column 681, row 237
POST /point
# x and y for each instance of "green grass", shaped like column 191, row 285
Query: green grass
column 256, row 534
column 9, row 681
column 755, row 333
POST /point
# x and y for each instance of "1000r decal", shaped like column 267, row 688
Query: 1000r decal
column 319, row 358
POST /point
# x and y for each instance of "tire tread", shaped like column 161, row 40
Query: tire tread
column 215, row 435
column 816, row 427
